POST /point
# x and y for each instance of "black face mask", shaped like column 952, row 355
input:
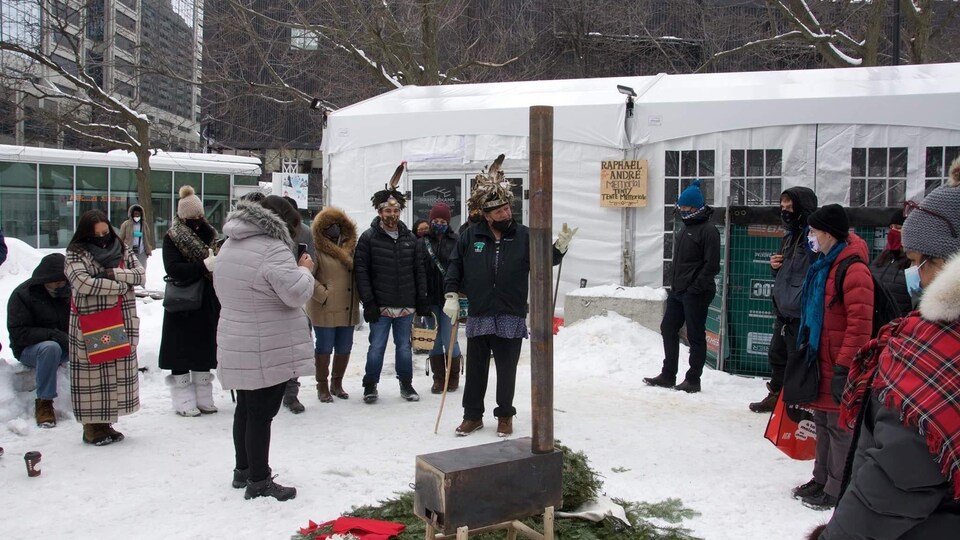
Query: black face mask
column 789, row 218
column 503, row 225
column 194, row 224
column 60, row 292
column 102, row 242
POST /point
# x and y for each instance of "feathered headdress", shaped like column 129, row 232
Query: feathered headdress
column 491, row 190
column 390, row 196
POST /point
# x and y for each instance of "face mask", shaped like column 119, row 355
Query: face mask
column 332, row 232
column 136, row 219
column 194, row 223
column 912, row 275
column 101, row 242
column 60, row 292
column 390, row 222
column 686, row 215
column 502, row 225
column 438, row 228
column 789, row 218
column 813, row 243
column 894, row 240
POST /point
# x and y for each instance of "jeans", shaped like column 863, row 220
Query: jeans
column 506, row 355
column 45, row 357
column 442, row 343
column 379, row 331
column 688, row 309
column 333, row 338
column 251, row 428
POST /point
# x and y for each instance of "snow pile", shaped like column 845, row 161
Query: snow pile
column 618, row 291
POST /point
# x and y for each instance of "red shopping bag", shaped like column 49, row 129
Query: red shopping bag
column 364, row 529
column 795, row 439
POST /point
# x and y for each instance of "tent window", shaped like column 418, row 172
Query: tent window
column 756, row 177
column 681, row 168
column 939, row 159
column 878, row 176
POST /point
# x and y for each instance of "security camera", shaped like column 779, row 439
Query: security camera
column 626, row 90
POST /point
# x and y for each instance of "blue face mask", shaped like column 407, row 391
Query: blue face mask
column 912, row 275
column 438, row 228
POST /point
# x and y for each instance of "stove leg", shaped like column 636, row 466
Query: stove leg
column 548, row 523
column 462, row 533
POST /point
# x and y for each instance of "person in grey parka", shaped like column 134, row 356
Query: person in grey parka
column 263, row 339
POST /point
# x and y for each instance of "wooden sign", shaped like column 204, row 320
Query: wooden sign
column 623, row 184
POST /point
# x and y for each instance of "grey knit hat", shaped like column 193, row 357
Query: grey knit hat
column 933, row 227
column 190, row 206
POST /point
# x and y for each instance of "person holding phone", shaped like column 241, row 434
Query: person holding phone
column 304, row 239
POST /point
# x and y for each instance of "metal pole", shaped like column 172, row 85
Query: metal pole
column 541, row 275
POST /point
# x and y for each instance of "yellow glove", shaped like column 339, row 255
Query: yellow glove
column 563, row 240
column 451, row 307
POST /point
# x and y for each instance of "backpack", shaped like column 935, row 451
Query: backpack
column 885, row 308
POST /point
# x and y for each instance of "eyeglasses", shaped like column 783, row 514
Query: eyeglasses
column 910, row 206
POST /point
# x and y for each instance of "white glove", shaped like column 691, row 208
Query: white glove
column 563, row 239
column 210, row 261
column 451, row 307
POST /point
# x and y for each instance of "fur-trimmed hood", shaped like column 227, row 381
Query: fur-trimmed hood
column 348, row 235
column 941, row 299
column 132, row 208
column 251, row 219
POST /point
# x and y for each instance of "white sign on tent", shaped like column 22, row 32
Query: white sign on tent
column 293, row 185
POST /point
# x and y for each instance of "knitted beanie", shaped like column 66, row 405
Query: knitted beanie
column 692, row 196
column 934, row 227
column 440, row 210
column 190, row 206
column 831, row 219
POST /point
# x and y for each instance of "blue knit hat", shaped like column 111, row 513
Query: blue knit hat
column 692, row 196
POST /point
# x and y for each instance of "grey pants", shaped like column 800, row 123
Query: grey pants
column 833, row 442
column 142, row 257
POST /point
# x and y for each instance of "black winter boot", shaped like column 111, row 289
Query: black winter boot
column 240, row 478
column 269, row 488
column 407, row 392
column 661, row 380
column 370, row 394
column 290, row 399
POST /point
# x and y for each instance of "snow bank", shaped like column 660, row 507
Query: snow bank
column 618, row 291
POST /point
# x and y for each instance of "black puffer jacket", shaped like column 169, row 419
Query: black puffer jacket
column 496, row 283
column 388, row 270
column 696, row 255
column 889, row 272
column 33, row 316
column 797, row 257
column 442, row 247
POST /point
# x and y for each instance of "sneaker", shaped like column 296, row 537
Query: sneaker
column 688, row 387
column 820, row 501
column 269, row 488
column 294, row 405
column 661, row 380
column 504, row 426
column 469, row 426
column 407, row 392
column 805, row 490
column 370, row 394
column 240, row 478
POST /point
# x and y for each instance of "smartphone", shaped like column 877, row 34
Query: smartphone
column 301, row 249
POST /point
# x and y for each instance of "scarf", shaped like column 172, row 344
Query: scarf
column 189, row 243
column 915, row 369
column 108, row 257
column 812, row 297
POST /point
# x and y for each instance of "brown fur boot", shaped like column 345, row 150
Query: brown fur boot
column 340, row 362
column 322, row 362
column 438, row 365
column 45, row 415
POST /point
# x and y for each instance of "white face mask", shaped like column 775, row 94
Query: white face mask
column 813, row 243
column 136, row 219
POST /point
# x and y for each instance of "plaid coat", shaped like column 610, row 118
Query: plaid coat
column 102, row 392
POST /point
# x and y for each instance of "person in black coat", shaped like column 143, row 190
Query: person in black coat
column 188, row 341
column 437, row 246
column 888, row 267
column 696, row 262
column 392, row 287
column 38, row 320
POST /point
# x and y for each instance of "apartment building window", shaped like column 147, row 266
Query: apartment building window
column 878, row 176
column 756, row 177
column 124, row 44
column 939, row 159
column 681, row 168
column 126, row 21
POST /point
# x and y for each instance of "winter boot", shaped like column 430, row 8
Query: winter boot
column 407, row 392
column 240, row 478
column 661, row 380
column 203, row 385
column 322, row 362
column 114, row 434
column 454, row 382
column 438, row 365
column 269, row 488
column 370, row 394
column 820, row 501
column 290, row 400
column 183, row 395
column 469, row 426
column 96, row 434
column 805, row 490
column 766, row 404
column 340, row 362
column 44, row 413
column 688, row 387
column 504, row 426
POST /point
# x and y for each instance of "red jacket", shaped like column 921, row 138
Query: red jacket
column 847, row 325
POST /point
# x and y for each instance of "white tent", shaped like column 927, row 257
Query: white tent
column 808, row 128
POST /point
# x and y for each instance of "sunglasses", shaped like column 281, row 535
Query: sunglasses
column 910, row 206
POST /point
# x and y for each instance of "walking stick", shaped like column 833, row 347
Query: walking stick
column 446, row 378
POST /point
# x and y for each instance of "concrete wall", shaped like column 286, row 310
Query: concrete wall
column 646, row 312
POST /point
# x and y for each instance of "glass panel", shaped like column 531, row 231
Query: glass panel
column 123, row 180
column 773, row 191
column 736, row 191
column 931, row 185
column 162, row 201
column 898, row 162
column 516, row 205
column 123, row 194
column 774, row 162
column 429, row 191
column 858, row 162
column 216, row 198
column 667, row 273
column 754, row 191
column 671, row 191
column 877, row 162
column 754, row 162
column 898, row 193
column 736, row 163
column 706, row 163
column 18, row 211
column 18, row 175
column 668, row 246
column 934, row 161
column 216, row 184
column 688, row 163
column 671, row 163
column 876, row 192
column 181, row 179
column 92, row 191
column 951, row 155
column 56, row 205
column 668, row 215
column 857, row 195
column 239, row 180
column 706, row 186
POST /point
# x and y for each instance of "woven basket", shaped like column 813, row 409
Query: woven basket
column 423, row 338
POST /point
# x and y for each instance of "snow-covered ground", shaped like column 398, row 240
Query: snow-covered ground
column 171, row 477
